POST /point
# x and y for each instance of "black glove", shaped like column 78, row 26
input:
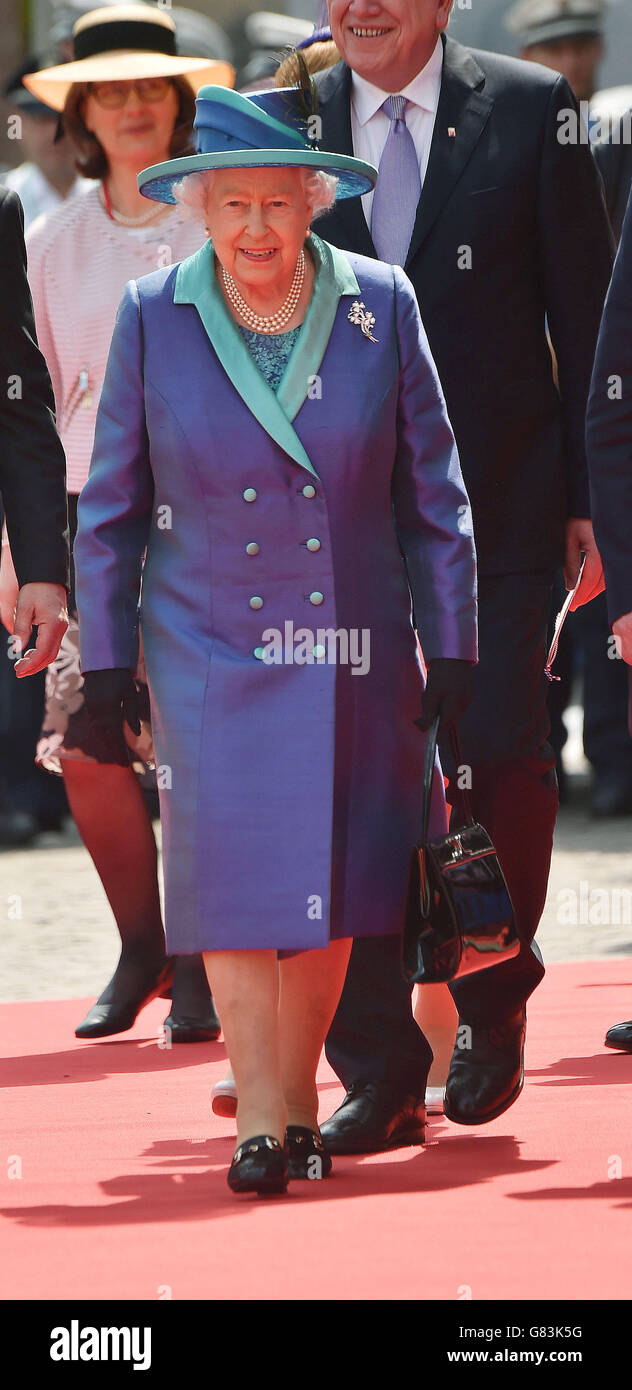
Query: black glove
column 448, row 692
column 111, row 698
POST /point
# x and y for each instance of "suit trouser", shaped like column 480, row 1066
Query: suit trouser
column 514, row 795
column 607, row 742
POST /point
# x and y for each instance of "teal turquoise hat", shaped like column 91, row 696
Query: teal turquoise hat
column 262, row 130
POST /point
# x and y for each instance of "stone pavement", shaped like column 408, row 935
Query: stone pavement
column 58, row 939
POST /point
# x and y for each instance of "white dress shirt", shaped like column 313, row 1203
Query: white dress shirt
column 370, row 125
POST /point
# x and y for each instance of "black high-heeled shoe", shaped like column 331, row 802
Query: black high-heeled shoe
column 308, row 1157
column 118, row 1014
column 260, row 1165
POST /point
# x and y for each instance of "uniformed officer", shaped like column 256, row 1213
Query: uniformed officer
column 566, row 35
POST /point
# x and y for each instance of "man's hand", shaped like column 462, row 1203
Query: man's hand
column 9, row 588
column 580, row 537
column 42, row 606
column 448, row 692
column 622, row 630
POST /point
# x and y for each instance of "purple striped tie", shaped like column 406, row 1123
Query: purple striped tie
column 398, row 188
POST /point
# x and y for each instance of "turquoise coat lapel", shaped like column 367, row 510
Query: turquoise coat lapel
column 196, row 283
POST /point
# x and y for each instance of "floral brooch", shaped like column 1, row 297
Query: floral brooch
column 358, row 314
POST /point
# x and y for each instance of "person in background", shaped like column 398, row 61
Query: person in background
column 197, row 33
column 567, row 35
column 43, row 180
column 124, row 107
column 614, row 160
column 267, row 34
column 47, row 174
column 609, row 448
column 495, row 223
column 32, row 464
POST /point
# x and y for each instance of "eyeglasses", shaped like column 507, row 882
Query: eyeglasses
column 115, row 94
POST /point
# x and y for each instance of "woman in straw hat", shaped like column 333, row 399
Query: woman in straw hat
column 273, row 432
column 127, row 99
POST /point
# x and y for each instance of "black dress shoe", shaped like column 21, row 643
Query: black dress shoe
column 374, row 1118
column 486, row 1078
column 181, row 1029
column 119, row 1012
column 192, row 1017
column 620, row 1036
column 259, row 1164
column 308, row 1155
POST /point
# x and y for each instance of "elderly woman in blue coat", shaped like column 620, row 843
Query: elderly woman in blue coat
column 273, row 439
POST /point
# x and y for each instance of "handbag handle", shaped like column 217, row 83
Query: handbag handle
column 429, row 763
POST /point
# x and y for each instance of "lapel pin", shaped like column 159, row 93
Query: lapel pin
column 451, row 132
column 359, row 314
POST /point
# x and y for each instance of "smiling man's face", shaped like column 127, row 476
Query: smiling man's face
column 387, row 41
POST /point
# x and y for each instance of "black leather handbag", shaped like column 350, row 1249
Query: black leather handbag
column 459, row 915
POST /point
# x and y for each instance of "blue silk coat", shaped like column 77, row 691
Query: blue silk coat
column 289, row 780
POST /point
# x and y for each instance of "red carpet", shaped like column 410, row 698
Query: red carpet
column 122, row 1193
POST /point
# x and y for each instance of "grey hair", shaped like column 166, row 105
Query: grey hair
column 319, row 189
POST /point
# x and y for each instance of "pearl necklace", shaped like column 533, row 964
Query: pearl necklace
column 266, row 323
column 128, row 221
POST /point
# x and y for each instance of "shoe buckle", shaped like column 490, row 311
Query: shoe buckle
column 250, row 1148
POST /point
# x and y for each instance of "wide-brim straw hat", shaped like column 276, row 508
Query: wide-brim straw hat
column 268, row 129
column 124, row 43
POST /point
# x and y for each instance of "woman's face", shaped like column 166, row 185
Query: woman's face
column 258, row 220
column 138, row 132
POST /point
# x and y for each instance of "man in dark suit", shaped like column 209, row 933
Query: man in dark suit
column 32, row 462
column 509, row 233
column 568, row 36
column 614, row 157
column 609, row 447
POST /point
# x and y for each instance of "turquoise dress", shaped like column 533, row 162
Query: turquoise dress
column 271, row 352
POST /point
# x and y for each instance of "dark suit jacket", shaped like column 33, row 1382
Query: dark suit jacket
column 609, row 433
column 614, row 161
column 32, row 462
column 531, row 210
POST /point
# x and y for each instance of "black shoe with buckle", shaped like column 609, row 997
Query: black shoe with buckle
column 308, row 1155
column 260, row 1165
